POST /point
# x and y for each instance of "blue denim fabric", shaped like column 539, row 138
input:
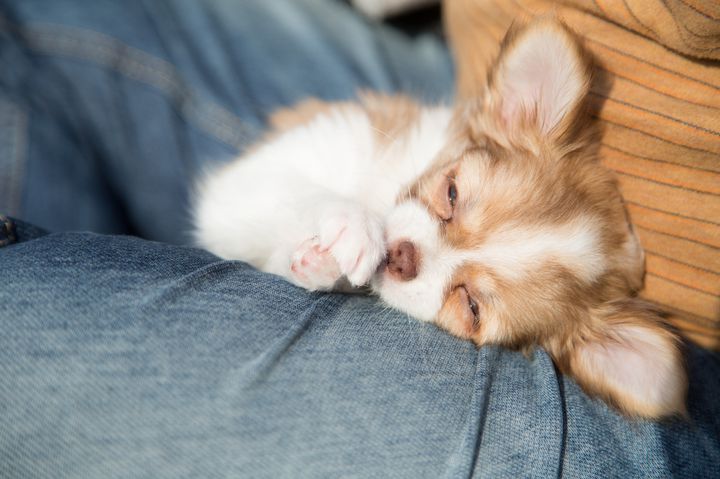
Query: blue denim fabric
column 111, row 107
column 126, row 358
column 122, row 357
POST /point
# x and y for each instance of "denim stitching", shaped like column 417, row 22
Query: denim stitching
column 138, row 65
column 13, row 154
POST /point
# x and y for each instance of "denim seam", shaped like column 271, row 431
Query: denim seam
column 106, row 51
column 13, row 155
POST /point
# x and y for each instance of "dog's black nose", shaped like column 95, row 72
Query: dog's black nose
column 402, row 261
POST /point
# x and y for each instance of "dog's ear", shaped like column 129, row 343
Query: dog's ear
column 631, row 360
column 540, row 78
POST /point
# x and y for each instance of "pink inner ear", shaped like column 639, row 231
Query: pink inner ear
column 638, row 363
column 542, row 73
column 515, row 109
column 509, row 110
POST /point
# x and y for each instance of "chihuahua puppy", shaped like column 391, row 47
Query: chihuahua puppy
column 492, row 219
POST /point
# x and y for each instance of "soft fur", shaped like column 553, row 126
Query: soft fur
column 493, row 219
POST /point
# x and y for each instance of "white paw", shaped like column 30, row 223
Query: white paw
column 313, row 268
column 355, row 239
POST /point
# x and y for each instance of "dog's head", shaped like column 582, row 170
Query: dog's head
column 516, row 235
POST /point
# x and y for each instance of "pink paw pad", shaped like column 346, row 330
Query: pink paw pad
column 314, row 267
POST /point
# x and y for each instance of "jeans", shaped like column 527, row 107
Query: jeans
column 140, row 356
column 112, row 108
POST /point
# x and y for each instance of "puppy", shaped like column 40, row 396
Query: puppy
column 492, row 219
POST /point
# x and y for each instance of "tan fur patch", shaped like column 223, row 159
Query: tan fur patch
column 288, row 118
column 391, row 116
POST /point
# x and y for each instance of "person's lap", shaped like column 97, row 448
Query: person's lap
column 122, row 357
column 163, row 361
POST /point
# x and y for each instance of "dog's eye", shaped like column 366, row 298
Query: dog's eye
column 445, row 199
column 452, row 193
column 472, row 306
column 474, row 310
